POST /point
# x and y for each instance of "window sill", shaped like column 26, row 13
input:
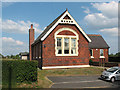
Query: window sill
column 67, row 55
column 102, row 56
column 92, row 57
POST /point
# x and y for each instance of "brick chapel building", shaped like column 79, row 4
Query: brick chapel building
column 64, row 44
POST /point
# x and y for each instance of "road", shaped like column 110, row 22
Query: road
column 81, row 82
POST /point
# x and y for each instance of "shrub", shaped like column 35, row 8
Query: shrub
column 20, row 70
column 111, row 64
column 90, row 62
column 95, row 63
column 114, row 59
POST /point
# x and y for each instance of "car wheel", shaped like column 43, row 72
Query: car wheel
column 112, row 79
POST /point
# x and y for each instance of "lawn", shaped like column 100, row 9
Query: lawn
column 44, row 82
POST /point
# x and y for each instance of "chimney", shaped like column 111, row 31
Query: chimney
column 31, row 40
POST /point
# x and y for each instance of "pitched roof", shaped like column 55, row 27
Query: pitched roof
column 44, row 34
column 24, row 54
column 97, row 41
column 48, row 27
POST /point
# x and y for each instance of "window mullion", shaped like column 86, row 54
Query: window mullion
column 70, row 45
column 62, row 45
column 76, row 41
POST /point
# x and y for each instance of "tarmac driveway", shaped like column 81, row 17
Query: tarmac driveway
column 80, row 82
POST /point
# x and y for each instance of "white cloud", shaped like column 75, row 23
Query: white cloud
column 105, row 22
column 112, row 31
column 105, row 19
column 11, row 41
column 19, row 42
column 98, row 21
column 21, row 27
column 12, row 46
column 87, row 10
column 113, row 43
column 108, row 9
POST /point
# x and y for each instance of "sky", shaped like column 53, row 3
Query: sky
column 93, row 17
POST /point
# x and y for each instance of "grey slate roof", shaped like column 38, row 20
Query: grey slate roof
column 48, row 27
column 97, row 41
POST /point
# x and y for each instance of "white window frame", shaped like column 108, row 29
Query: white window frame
column 61, row 43
column 103, row 54
column 66, row 36
column 92, row 53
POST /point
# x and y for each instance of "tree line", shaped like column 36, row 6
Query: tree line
column 114, row 55
column 18, row 56
column 10, row 56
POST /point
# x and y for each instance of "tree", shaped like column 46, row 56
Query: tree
column 117, row 54
column 8, row 56
column 12, row 56
column 114, row 55
column 17, row 57
column 111, row 55
column 1, row 56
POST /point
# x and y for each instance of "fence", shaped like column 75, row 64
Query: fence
column 106, row 64
column 114, row 59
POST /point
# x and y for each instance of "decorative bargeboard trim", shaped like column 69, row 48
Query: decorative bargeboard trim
column 59, row 21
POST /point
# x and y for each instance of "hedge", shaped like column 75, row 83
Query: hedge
column 114, row 59
column 19, row 70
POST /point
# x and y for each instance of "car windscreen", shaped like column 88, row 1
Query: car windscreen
column 112, row 70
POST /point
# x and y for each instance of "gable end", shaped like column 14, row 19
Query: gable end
column 64, row 18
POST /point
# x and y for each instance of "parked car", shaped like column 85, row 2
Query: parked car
column 112, row 74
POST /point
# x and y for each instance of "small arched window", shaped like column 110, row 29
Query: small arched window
column 66, row 42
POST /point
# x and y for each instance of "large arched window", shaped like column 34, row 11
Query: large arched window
column 66, row 42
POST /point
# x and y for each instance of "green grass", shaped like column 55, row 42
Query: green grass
column 43, row 81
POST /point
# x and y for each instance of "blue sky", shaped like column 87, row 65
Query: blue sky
column 94, row 18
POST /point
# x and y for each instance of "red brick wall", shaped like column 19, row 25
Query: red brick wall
column 96, row 55
column 48, row 53
column 36, row 51
column 106, row 54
